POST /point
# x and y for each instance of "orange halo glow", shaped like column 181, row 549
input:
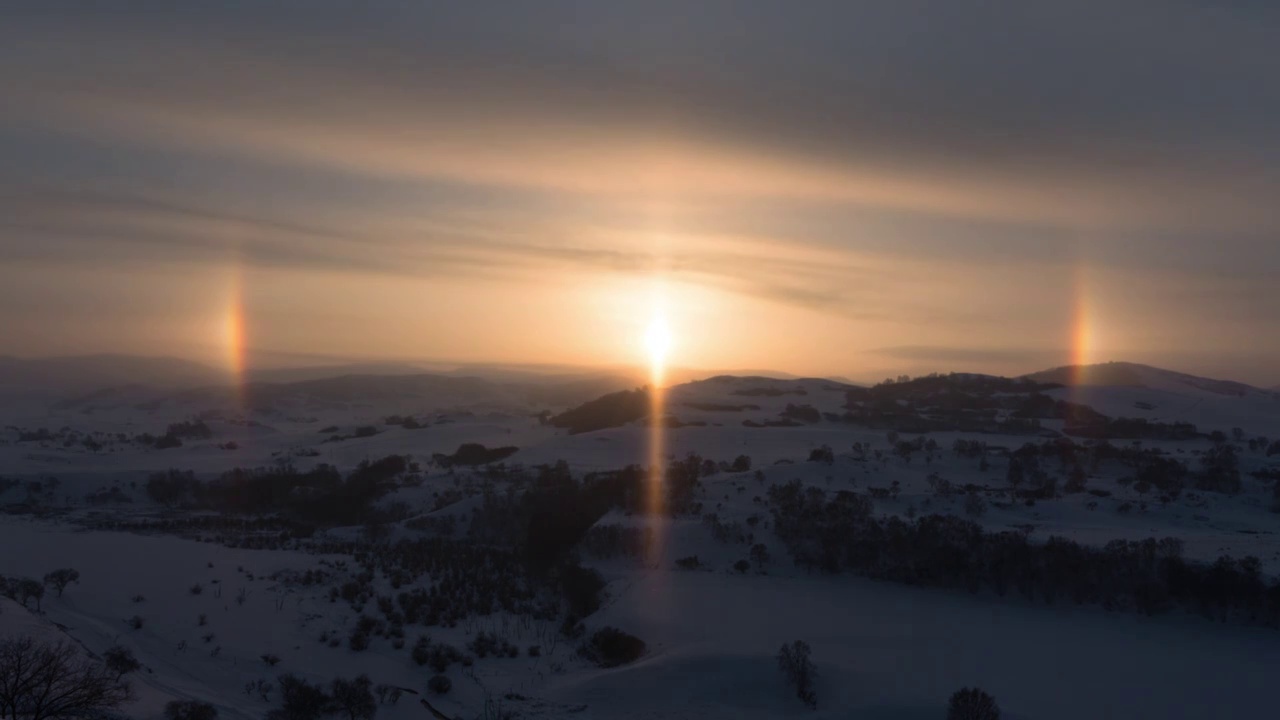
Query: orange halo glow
column 657, row 343
column 1082, row 326
column 234, row 331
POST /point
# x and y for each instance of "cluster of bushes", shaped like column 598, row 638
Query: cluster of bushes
column 256, row 533
column 610, row 647
column 554, row 513
column 1131, row 429
column 822, row 454
column 841, row 535
column 971, row 403
column 40, row 435
column 1151, row 469
column 367, row 626
column 363, row 431
column 608, row 411
column 719, row 407
column 783, row 423
column 517, row 558
column 407, row 422
column 485, row 644
column 968, row 403
column 725, row 532
column 300, row 700
column 98, row 441
column 969, row 448
column 1220, row 469
column 473, row 454
column 320, row 495
column 189, row 430
column 605, row 542
column 1043, row 407
column 438, row 656
column 464, row 579
column 23, row 590
column 801, row 413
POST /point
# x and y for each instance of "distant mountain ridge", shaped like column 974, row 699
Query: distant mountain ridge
column 86, row 373
column 1127, row 374
column 393, row 393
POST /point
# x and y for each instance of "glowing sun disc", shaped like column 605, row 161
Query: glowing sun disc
column 657, row 342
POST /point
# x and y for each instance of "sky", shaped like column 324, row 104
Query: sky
column 822, row 188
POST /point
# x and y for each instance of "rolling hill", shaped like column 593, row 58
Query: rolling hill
column 1126, row 374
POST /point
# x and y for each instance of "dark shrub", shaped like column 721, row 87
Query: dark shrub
column 611, row 647
column 189, row 710
column 582, row 588
column 421, row 652
column 60, row 579
column 301, row 700
column 972, row 704
column 353, row 698
column 613, row 410
column 120, row 660
column 359, row 642
column 688, row 563
column 798, row 669
column 439, row 684
column 822, row 454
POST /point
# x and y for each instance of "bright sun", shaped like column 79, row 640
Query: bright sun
column 657, row 342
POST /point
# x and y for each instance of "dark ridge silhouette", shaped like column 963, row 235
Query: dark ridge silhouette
column 612, row 410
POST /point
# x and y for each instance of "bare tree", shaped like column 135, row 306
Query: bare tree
column 353, row 698
column 44, row 681
column 972, row 704
column 301, row 700
column 28, row 588
column 798, row 669
column 61, row 578
column 120, row 660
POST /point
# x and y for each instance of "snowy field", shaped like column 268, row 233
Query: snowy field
column 882, row 649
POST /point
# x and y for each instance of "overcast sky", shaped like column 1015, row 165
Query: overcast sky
column 842, row 188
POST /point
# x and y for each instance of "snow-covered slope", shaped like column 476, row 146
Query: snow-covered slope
column 1140, row 391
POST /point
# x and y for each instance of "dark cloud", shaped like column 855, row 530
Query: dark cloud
column 1151, row 113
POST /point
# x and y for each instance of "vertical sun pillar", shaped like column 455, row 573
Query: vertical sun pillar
column 234, row 333
column 1082, row 327
column 658, row 345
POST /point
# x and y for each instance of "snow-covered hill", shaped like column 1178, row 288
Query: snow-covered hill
column 1125, row 374
column 1131, row 390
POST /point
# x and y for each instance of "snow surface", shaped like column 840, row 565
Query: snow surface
column 882, row 650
